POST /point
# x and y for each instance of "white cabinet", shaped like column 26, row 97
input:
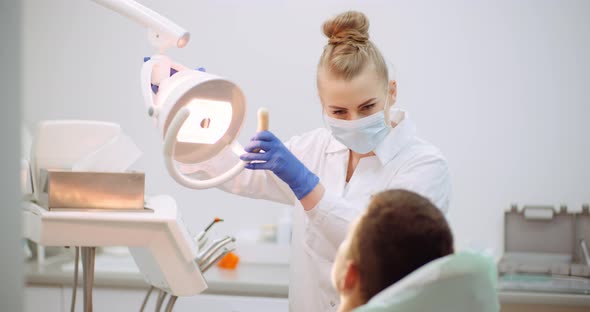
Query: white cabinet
column 58, row 299
column 542, row 308
column 108, row 299
column 218, row 303
column 46, row 299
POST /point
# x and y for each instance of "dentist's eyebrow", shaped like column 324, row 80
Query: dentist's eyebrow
column 363, row 103
column 367, row 102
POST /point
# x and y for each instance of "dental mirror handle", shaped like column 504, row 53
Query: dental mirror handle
column 262, row 122
column 262, row 119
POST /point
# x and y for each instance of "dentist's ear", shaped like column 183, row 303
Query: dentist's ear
column 391, row 97
column 392, row 92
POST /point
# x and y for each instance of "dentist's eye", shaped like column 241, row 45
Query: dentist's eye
column 368, row 107
column 338, row 112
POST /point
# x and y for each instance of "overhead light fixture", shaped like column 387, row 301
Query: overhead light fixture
column 198, row 114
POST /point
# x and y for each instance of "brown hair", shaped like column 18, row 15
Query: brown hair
column 400, row 232
column 349, row 49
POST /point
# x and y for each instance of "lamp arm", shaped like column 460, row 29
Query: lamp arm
column 163, row 32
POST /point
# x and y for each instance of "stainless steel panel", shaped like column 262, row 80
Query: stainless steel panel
column 94, row 190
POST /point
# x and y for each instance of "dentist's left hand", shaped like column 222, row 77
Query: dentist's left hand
column 277, row 158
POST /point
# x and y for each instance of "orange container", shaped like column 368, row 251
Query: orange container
column 229, row 262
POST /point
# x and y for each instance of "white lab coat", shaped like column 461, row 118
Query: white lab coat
column 402, row 161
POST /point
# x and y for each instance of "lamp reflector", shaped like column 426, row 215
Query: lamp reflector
column 207, row 123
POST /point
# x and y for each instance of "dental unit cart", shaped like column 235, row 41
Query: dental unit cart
column 87, row 209
column 546, row 251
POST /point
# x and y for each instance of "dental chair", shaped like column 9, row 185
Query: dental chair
column 462, row 282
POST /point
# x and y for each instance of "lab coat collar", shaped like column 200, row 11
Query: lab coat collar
column 335, row 146
column 398, row 137
column 392, row 144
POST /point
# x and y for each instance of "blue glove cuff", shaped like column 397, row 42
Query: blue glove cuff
column 306, row 183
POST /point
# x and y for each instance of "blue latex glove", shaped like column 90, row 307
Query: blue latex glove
column 277, row 158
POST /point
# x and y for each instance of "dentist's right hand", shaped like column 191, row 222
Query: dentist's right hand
column 269, row 153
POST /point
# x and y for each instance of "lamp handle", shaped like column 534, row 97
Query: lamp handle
column 169, row 146
column 146, row 84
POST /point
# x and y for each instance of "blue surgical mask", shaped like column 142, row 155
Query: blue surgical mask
column 360, row 135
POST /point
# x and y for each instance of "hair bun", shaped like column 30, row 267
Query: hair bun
column 350, row 27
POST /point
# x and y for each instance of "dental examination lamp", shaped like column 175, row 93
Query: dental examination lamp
column 198, row 114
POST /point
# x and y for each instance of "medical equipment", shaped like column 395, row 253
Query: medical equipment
column 199, row 114
column 262, row 123
column 167, row 259
column 62, row 190
column 205, row 260
column 158, row 240
column 201, row 238
column 262, row 119
column 163, row 33
column 543, row 250
column 78, row 145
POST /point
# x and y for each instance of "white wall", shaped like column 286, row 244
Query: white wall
column 499, row 86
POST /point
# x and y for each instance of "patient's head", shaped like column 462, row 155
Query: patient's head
column 399, row 232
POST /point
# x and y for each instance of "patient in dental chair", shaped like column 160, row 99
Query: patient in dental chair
column 398, row 256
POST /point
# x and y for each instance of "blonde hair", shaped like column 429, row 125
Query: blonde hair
column 349, row 50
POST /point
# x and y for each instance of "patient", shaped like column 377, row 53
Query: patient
column 402, row 233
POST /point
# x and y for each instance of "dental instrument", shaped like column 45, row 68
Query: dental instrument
column 206, row 266
column 145, row 299
column 171, row 303
column 161, row 298
column 75, row 288
column 262, row 123
column 262, row 119
column 204, row 256
column 201, row 238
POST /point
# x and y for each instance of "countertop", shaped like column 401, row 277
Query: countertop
column 248, row 279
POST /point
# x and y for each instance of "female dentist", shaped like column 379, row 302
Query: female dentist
column 330, row 174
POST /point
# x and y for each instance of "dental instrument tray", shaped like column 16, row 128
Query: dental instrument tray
column 546, row 250
column 72, row 190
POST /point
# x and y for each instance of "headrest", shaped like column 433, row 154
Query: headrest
column 459, row 282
